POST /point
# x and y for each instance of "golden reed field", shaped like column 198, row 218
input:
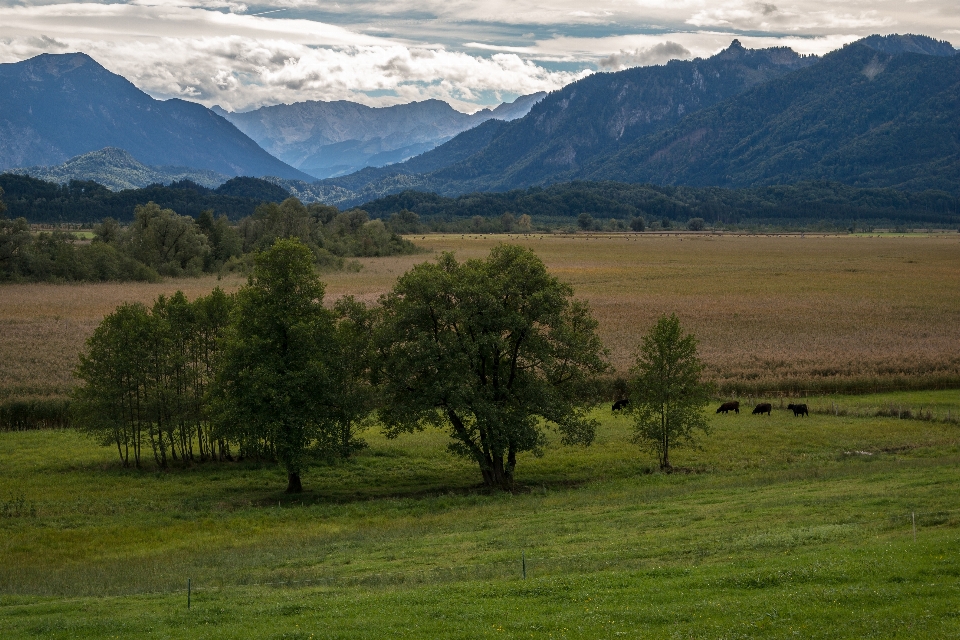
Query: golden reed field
column 772, row 313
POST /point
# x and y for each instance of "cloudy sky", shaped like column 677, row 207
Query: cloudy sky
column 382, row 52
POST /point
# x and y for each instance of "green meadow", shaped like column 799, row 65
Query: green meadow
column 842, row 524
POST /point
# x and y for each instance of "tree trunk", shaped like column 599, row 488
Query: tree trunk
column 293, row 483
column 497, row 475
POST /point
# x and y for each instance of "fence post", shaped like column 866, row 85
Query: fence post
column 188, row 593
column 913, row 517
column 523, row 559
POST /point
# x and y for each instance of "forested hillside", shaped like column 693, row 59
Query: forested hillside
column 86, row 201
column 860, row 116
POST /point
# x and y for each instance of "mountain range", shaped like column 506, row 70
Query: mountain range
column 880, row 112
column 883, row 111
column 57, row 107
column 327, row 139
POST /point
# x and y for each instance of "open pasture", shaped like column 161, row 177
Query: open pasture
column 783, row 526
column 773, row 313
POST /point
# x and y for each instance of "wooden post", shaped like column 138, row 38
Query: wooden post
column 188, row 593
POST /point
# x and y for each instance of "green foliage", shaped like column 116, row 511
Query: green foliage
column 28, row 257
column 667, row 394
column 87, row 202
column 330, row 234
column 144, row 377
column 487, row 349
column 174, row 245
column 224, row 239
column 352, row 355
column 275, row 379
column 799, row 204
column 405, row 221
column 34, row 413
column 161, row 242
column 252, row 189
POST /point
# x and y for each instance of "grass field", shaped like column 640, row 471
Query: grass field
column 783, row 527
column 777, row 527
column 773, row 313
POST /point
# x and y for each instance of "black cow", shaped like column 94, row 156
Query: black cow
column 763, row 408
column 729, row 406
column 620, row 405
column 798, row 409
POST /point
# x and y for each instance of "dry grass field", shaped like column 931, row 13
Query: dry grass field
column 771, row 312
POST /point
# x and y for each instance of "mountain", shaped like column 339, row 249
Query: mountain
column 116, row 169
column 56, row 107
column 881, row 112
column 327, row 139
column 591, row 118
column 860, row 116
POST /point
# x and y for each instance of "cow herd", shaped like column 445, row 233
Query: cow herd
column 734, row 405
column 763, row 408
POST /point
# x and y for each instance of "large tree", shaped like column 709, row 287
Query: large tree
column 273, row 389
column 491, row 350
column 668, row 395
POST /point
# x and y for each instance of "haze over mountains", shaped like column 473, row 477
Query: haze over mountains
column 327, row 139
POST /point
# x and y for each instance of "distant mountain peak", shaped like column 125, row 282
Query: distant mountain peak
column 56, row 64
column 734, row 51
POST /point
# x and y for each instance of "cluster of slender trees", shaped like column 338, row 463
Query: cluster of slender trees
column 492, row 350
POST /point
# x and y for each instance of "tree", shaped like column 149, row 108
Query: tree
column 638, row 224
column 585, row 221
column 112, row 401
column 273, row 382
column 352, row 356
column 696, row 224
column 668, row 396
column 489, row 350
column 172, row 244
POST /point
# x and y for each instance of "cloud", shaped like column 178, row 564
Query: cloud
column 763, row 16
column 243, row 73
column 657, row 54
column 244, row 54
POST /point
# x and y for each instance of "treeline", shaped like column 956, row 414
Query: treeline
column 800, row 204
column 161, row 242
column 87, row 202
column 493, row 350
